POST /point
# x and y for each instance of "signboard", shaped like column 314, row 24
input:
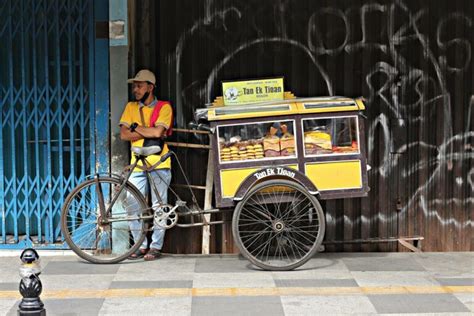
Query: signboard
column 274, row 172
column 251, row 91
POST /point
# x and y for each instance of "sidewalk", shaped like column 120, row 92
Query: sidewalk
column 331, row 283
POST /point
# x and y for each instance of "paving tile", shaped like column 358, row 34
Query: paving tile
column 10, row 286
column 224, row 265
column 233, row 305
column 343, row 255
column 417, row 303
column 147, row 306
column 154, row 276
column 169, row 264
column 69, row 307
column 327, row 305
column 78, row 267
column 187, row 284
column 170, row 268
column 467, row 299
column 9, row 269
column 455, row 281
column 312, row 274
column 383, row 264
column 73, row 257
column 394, row 278
column 8, row 305
column 326, row 263
column 324, row 270
column 441, row 264
column 245, row 280
column 423, row 314
column 316, row 283
column 79, row 281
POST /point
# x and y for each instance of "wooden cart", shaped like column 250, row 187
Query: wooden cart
column 274, row 161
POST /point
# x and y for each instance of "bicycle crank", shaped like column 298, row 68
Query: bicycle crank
column 165, row 216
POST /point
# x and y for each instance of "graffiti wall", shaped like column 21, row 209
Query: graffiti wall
column 410, row 60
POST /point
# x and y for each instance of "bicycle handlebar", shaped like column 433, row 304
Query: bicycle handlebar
column 200, row 126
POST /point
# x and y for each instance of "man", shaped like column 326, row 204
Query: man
column 135, row 127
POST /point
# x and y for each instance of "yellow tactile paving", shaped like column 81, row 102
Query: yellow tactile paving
column 287, row 291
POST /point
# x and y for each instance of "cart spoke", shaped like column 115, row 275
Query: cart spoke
column 257, row 211
column 298, row 250
column 263, row 245
column 303, row 235
column 262, row 207
column 289, row 236
column 256, row 239
column 247, row 218
column 304, row 213
column 296, row 207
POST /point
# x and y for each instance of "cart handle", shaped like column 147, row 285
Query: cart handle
column 201, row 126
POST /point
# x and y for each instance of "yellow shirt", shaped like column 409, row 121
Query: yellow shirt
column 132, row 114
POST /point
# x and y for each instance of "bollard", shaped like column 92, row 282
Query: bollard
column 30, row 284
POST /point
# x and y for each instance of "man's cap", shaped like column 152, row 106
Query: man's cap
column 143, row 75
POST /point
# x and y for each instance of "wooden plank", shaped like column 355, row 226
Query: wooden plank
column 206, row 233
column 373, row 240
column 188, row 145
column 408, row 245
column 190, row 131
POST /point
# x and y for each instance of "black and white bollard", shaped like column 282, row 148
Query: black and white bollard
column 30, row 284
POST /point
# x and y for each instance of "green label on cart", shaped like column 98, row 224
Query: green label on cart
column 252, row 91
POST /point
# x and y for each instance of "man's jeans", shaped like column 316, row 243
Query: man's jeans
column 162, row 179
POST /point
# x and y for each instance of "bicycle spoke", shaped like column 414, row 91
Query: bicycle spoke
column 104, row 241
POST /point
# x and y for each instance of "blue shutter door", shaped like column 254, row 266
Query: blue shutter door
column 48, row 113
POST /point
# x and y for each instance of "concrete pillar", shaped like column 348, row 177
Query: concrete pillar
column 118, row 80
column 118, row 49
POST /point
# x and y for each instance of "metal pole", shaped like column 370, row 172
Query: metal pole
column 30, row 285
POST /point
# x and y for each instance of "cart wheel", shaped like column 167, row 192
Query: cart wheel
column 278, row 225
column 81, row 224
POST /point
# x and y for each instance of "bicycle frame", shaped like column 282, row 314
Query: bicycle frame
column 139, row 158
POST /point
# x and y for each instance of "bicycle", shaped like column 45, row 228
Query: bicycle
column 278, row 225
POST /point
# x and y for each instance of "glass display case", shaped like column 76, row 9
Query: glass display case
column 331, row 135
column 256, row 141
column 320, row 140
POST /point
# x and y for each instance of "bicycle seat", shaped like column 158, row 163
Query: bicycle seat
column 146, row 151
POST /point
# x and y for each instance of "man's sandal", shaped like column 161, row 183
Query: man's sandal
column 153, row 254
column 140, row 253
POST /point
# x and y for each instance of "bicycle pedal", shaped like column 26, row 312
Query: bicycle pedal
column 180, row 203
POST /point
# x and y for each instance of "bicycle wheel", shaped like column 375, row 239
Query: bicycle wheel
column 278, row 225
column 86, row 234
